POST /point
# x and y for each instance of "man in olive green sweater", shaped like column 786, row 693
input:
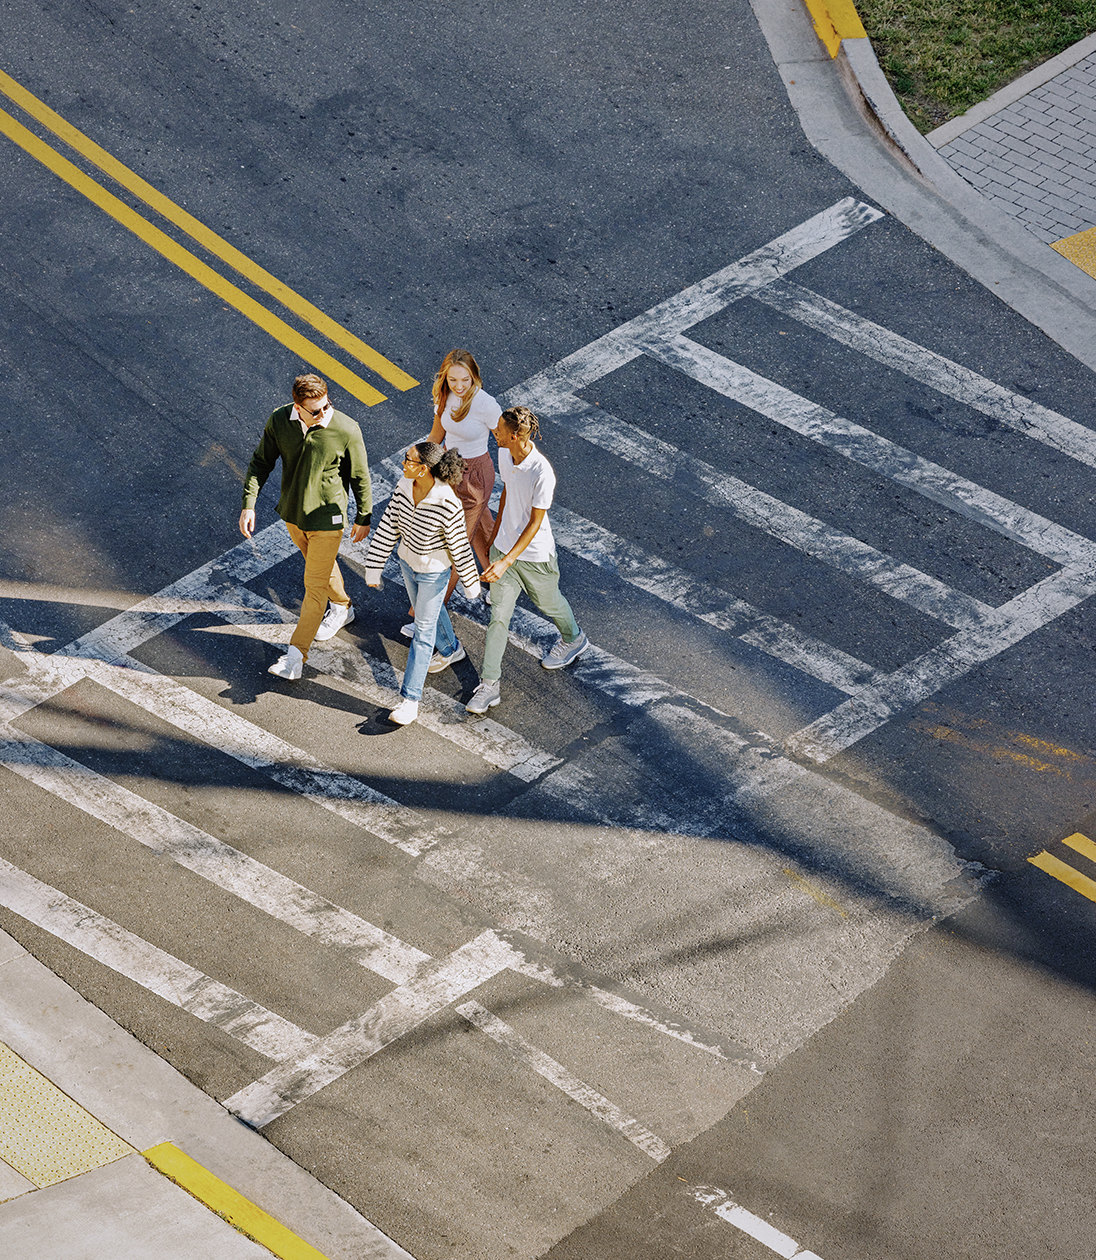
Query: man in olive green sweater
column 322, row 453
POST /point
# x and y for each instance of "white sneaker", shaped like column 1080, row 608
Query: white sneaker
column 408, row 631
column 288, row 666
column 439, row 662
column 404, row 713
column 337, row 616
column 485, row 697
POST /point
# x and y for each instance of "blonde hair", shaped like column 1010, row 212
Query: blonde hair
column 441, row 384
column 309, row 386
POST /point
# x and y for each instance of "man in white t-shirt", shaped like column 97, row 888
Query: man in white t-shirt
column 523, row 555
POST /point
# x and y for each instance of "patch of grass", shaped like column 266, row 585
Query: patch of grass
column 943, row 56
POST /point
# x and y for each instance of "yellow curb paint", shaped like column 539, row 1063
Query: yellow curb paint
column 44, row 1135
column 835, row 20
column 1064, row 872
column 197, row 230
column 1082, row 844
column 220, row 1197
column 187, row 261
column 1080, row 250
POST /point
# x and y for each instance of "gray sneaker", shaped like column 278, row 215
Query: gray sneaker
column 561, row 653
column 485, row 697
column 337, row 616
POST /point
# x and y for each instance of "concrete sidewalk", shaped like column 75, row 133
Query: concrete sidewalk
column 97, row 1129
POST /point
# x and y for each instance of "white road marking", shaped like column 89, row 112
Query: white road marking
column 214, row 588
column 595, row 1103
column 868, row 449
column 726, row 1209
column 152, row 968
column 280, row 897
column 700, row 301
column 435, row 985
column 283, row 899
column 943, row 375
column 907, row 686
column 767, row 514
column 710, row 604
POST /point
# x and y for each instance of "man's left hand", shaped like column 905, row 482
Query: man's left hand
column 359, row 533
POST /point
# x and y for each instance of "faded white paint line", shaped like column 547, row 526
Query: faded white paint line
column 152, row 968
column 769, row 515
column 330, row 923
column 378, row 682
column 435, row 985
column 914, row 682
column 268, row 890
column 726, row 1209
column 869, row 450
column 700, row 301
column 710, row 604
column 595, row 1103
column 943, row 375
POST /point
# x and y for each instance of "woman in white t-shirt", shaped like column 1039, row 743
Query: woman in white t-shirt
column 465, row 415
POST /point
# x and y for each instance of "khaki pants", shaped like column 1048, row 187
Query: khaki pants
column 322, row 580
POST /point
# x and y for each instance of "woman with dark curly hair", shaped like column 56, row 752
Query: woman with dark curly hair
column 426, row 518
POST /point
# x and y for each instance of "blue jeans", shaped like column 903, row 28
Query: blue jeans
column 427, row 594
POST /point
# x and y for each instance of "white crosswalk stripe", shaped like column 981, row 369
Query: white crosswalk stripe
column 153, row 969
column 944, row 375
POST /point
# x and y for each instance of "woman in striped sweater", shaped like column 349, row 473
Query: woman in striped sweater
column 426, row 518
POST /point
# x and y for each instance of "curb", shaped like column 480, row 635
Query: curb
column 850, row 115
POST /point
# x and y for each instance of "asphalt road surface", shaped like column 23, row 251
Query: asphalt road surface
column 723, row 942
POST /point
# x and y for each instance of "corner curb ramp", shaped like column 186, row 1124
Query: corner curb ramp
column 849, row 113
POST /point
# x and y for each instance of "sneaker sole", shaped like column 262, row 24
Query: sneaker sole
column 563, row 664
column 489, row 705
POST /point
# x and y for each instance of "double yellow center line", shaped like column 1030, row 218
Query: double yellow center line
column 188, row 262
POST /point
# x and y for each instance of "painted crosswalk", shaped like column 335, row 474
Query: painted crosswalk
column 887, row 877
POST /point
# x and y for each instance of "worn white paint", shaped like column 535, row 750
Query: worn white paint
column 862, row 446
column 205, row 855
column 723, row 1206
column 597, row 1104
column 433, row 987
column 176, row 982
column 947, row 377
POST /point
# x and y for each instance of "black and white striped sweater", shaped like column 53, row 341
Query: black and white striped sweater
column 431, row 536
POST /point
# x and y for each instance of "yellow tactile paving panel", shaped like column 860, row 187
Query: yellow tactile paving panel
column 45, row 1135
column 1080, row 250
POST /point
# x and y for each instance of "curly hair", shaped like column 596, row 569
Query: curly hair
column 444, row 465
column 440, row 387
column 522, row 420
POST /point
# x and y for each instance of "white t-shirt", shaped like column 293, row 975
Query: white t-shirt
column 529, row 485
column 468, row 437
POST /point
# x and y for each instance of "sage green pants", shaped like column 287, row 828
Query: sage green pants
column 539, row 579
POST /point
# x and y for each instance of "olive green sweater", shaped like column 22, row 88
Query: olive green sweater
column 317, row 468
